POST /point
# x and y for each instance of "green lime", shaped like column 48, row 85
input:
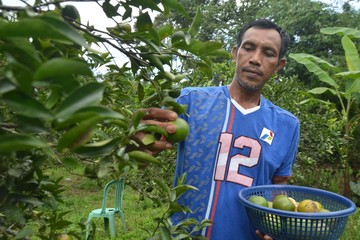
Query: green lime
column 259, row 200
column 182, row 130
column 282, row 202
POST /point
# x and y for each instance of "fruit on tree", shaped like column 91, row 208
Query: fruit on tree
column 70, row 13
column 182, row 130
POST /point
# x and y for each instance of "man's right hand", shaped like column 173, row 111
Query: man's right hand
column 158, row 117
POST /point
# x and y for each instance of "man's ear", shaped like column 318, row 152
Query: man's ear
column 234, row 53
column 281, row 64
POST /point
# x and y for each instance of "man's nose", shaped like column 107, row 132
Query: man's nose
column 256, row 58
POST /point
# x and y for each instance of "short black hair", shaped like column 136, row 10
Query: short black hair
column 266, row 24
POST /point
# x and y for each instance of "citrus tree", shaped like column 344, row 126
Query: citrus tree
column 54, row 110
column 342, row 84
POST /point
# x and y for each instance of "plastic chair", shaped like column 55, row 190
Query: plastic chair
column 109, row 213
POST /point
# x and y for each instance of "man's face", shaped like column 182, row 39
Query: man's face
column 257, row 58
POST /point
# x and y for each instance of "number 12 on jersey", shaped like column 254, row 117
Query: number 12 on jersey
column 229, row 166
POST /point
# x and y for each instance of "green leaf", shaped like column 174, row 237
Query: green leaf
column 61, row 68
column 205, row 68
column 321, row 90
column 155, row 61
column 25, row 105
column 195, row 25
column 110, row 10
column 31, row 200
column 355, row 187
column 26, row 232
column 21, row 50
column 165, row 233
column 349, row 74
column 351, row 54
column 85, row 96
column 56, row 29
column 144, row 22
column 143, row 4
column 165, row 31
column 13, row 143
column 170, row 104
column 354, row 88
column 98, row 149
column 143, row 157
column 104, row 112
column 73, row 119
column 79, row 134
column 88, row 112
column 187, row 38
column 70, row 162
column 31, row 125
column 174, row 4
column 164, row 187
column 181, row 189
column 148, row 139
column 6, row 86
column 22, row 75
column 341, row 31
column 307, row 59
column 137, row 117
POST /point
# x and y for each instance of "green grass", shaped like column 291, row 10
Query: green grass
column 83, row 195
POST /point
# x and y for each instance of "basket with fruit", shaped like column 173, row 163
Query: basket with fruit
column 288, row 212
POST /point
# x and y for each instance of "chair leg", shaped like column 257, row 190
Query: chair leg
column 87, row 227
column 112, row 227
column 106, row 226
column 123, row 220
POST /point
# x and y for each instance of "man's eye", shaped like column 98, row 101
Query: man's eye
column 248, row 48
column 269, row 54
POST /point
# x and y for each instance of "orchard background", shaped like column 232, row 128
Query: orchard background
column 59, row 112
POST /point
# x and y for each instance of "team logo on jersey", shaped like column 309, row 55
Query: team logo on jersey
column 267, row 135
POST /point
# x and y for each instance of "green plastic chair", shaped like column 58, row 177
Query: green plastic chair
column 109, row 214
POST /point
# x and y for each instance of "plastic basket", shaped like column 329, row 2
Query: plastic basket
column 286, row 225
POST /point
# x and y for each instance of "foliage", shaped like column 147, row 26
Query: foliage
column 223, row 20
column 344, row 86
column 54, row 109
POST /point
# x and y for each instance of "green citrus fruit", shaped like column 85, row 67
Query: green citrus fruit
column 282, row 202
column 259, row 200
column 308, row 206
column 319, row 205
column 182, row 130
column 70, row 12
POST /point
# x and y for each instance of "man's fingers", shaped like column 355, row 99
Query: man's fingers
column 158, row 145
column 159, row 114
column 262, row 236
column 169, row 128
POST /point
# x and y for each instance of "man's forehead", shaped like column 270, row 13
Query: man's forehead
column 269, row 36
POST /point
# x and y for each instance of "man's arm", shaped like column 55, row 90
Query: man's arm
column 280, row 180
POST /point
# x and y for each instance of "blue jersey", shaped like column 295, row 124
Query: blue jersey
column 229, row 149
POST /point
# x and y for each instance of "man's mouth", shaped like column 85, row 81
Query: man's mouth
column 252, row 71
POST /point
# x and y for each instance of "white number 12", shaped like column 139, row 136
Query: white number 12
column 233, row 164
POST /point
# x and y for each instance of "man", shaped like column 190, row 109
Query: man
column 237, row 138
